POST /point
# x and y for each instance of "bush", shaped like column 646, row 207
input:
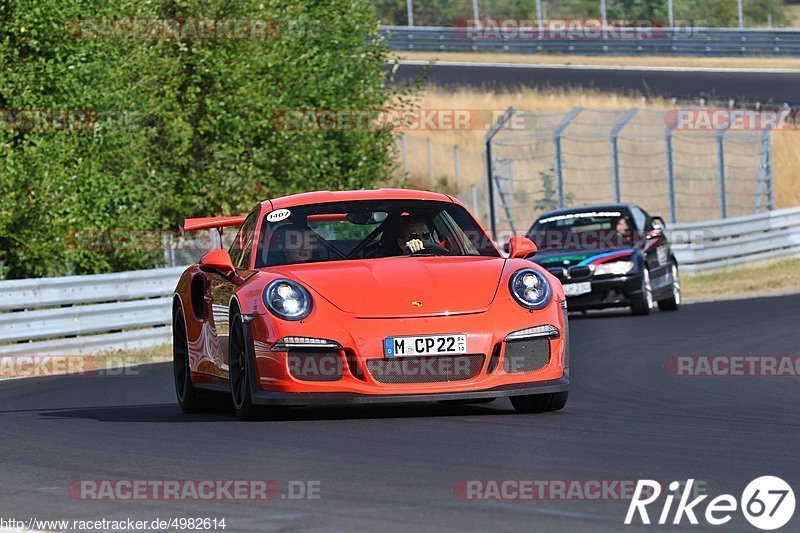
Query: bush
column 183, row 127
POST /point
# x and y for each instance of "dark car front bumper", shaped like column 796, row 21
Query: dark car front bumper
column 615, row 291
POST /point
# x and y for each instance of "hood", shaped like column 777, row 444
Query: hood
column 569, row 258
column 387, row 287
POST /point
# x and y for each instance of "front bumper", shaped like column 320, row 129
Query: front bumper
column 616, row 291
column 272, row 382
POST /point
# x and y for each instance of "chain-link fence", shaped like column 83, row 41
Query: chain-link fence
column 543, row 161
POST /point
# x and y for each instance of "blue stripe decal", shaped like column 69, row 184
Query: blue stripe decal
column 594, row 258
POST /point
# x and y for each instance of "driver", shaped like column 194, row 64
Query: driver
column 413, row 236
column 622, row 231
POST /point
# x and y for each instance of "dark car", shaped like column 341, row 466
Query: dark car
column 612, row 255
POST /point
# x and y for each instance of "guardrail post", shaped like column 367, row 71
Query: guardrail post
column 670, row 174
column 723, row 197
column 558, row 132
column 489, row 168
column 615, row 131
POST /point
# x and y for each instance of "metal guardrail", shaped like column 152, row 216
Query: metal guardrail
column 718, row 244
column 89, row 314
column 76, row 315
column 657, row 41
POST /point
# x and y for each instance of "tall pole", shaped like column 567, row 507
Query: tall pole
column 603, row 16
column 741, row 15
column 410, row 8
column 539, row 20
column 671, row 13
column 475, row 14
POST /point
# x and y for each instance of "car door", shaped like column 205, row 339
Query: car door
column 220, row 289
column 656, row 248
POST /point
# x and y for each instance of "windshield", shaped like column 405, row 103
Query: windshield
column 587, row 230
column 371, row 229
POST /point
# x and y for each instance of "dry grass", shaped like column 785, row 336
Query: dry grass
column 24, row 366
column 625, row 61
column 793, row 12
column 786, row 143
column 741, row 282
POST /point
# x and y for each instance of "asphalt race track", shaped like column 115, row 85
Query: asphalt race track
column 766, row 86
column 390, row 468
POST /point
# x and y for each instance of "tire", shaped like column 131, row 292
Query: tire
column 540, row 403
column 644, row 304
column 240, row 370
column 673, row 303
column 189, row 399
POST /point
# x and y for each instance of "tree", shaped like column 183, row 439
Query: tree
column 182, row 127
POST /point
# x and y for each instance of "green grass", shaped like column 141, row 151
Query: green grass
column 742, row 281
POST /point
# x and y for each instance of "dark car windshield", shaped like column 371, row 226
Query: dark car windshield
column 584, row 230
column 371, row 229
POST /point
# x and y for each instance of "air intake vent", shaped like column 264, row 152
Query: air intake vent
column 526, row 355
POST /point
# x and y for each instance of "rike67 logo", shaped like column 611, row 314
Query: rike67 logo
column 767, row 503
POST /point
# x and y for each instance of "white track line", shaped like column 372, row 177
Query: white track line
column 731, row 70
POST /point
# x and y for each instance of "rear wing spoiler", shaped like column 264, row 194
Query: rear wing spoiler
column 196, row 224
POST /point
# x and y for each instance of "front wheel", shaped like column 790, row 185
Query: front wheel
column 239, row 370
column 540, row 403
column 672, row 303
column 189, row 398
column 644, row 303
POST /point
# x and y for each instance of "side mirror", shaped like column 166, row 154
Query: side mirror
column 521, row 247
column 217, row 261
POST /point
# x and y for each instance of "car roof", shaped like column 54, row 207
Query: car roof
column 320, row 197
column 585, row 209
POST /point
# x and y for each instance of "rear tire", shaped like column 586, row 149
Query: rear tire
column 540, row 403
column 673, row 303
column 239, row 370
column 189, row 398
column 644, row 303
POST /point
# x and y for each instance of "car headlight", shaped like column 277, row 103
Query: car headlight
column 616, row 268
column 530, row 288
column 287, row 299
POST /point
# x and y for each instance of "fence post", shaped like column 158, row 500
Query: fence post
column 723, row 197
column 457, row 160
column 615, row 131
column 770, row 171
column 404, row 150
column 429, row 145
column 557, row 133
column 670, row 174
column 474, row 199
column 487, row 141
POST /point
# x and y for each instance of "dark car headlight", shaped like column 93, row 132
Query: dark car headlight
column 530, row 288
column 287, row 299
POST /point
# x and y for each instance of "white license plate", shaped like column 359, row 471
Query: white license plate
column 576, row 289
column 426, row 345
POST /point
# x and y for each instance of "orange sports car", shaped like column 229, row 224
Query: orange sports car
column 367, row 296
